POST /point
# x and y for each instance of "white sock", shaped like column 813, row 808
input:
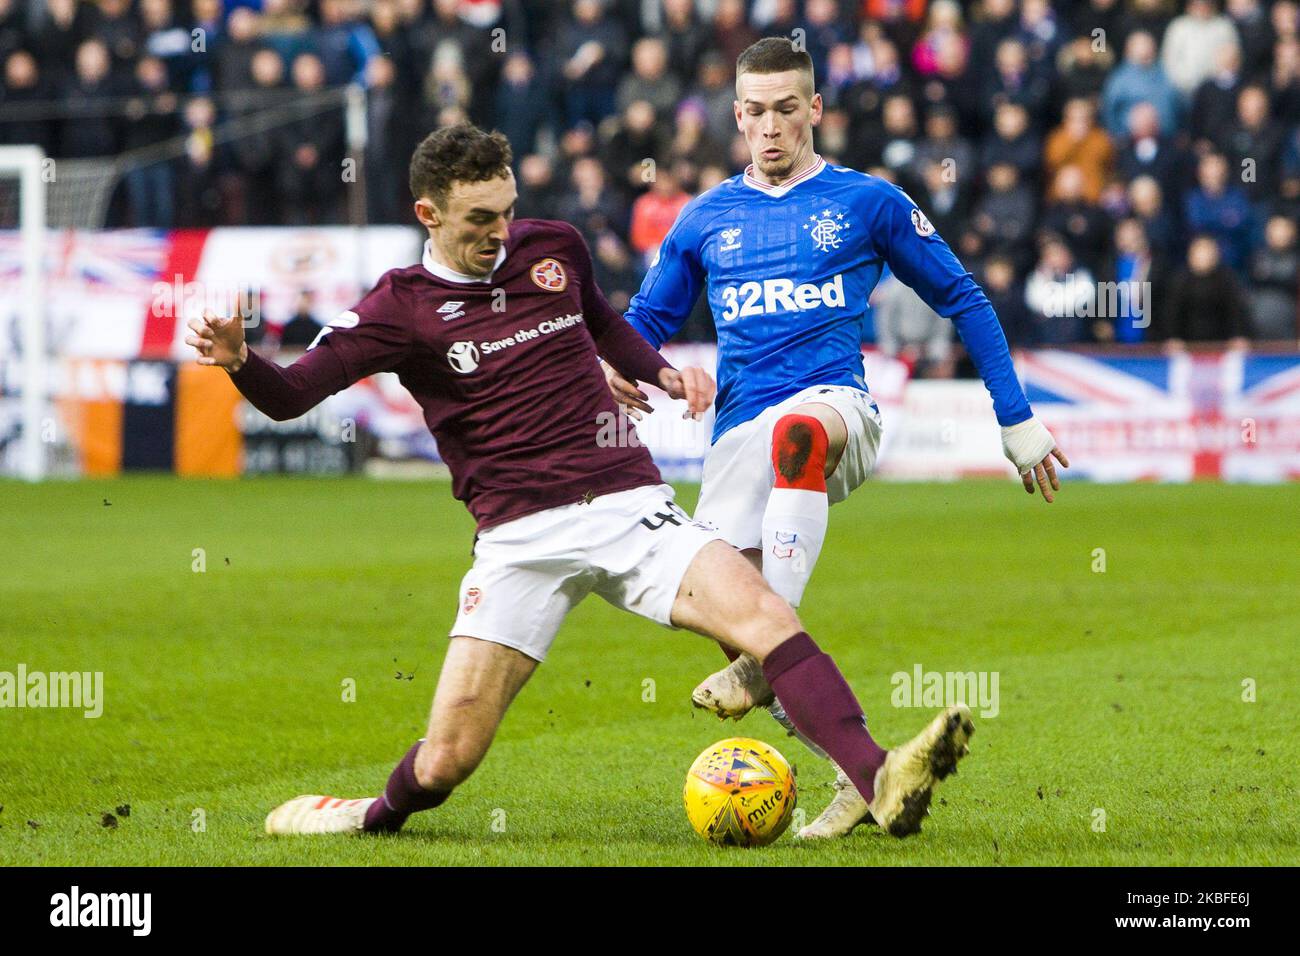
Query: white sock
column 794, row 527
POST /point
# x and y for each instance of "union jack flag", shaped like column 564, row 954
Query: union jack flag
column 1228, row 415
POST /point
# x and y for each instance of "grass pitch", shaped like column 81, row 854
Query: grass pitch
column 1120, row 691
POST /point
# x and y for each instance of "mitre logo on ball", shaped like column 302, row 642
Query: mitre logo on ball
column 463, row 357
column 549, row 275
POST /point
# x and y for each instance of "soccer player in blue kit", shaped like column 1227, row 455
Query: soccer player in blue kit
column 788, row 254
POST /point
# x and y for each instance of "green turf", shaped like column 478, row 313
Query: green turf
column 1119, row 690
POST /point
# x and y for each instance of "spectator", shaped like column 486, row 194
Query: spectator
column 684, row 39
column 1273, row 271
column 1192, row 43
column 1139, row 79
column 166, row 37
column 25, row 88
column 93, row 129
column 1004, row 216
column 1214, row 104
column 593, row 207
column 1251, row 24
column 650, row 79
column 1059, row 295
column 717, row 92
column 1014, row 81
column 732, row 31
column 536, row 185
column 1253, row 145
column 946, row 198
column 1013, row 142
column 1007, row 296
column 1205, row 302
column 151, row 115
column 198, row 188
column 1147, row 204
column 1079, row 142
column 56, row 40
column 310, row 151
column 941, row 142
column 654, row 213
column 521, row 103
column 302, row 328
column 616, row 270
column 1140, row 274
column 1146, row 152
column 235, row 54
column 1284, row 81
column 1078, row 222
column 908, row 329
column 1220, row 210
column 943, row 25
column 592, row 47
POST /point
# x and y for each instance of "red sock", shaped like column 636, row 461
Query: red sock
column 799, row 446
column 822, row 705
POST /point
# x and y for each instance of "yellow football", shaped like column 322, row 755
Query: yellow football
column 740, row 792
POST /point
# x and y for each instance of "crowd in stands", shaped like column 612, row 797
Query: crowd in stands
column 1061, row 148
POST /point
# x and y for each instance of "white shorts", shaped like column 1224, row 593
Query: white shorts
column 630, row 547
column 738, row 473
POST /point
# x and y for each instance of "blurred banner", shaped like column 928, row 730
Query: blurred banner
column 124, row 395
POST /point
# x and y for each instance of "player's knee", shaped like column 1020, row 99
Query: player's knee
column 770, row 621
column 446, row 764
column 799, row 448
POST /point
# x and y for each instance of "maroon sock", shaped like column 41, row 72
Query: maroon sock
column 401, row 797
column 822, row 705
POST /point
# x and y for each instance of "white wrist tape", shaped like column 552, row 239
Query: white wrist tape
column 1027, row 443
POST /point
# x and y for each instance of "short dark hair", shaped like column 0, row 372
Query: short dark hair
column 774, row 55
column 457, row 154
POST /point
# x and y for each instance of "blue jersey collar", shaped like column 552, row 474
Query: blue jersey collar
column 777, row 192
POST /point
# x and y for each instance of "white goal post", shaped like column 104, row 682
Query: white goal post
column 27, row 165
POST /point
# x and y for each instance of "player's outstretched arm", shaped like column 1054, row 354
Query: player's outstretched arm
column 924, row 262
column 277, row 392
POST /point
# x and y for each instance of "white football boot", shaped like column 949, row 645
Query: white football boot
column 904, row 784
column 735, row 690
column 318, row 814
column 845, row 811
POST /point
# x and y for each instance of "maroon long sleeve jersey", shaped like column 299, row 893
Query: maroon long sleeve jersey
column 505, row 371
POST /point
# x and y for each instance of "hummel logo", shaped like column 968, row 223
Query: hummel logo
column 451, row 310
column 730, row 239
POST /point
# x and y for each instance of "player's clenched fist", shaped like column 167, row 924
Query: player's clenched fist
column 219, row 341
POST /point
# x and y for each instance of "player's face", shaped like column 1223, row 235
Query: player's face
column 469, row 230
column 776, row 112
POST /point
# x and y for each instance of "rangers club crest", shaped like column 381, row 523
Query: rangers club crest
column 825, row 229
column 549, row 275
column 472, row 597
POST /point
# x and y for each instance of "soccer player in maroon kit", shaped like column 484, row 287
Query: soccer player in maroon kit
column 496, row 334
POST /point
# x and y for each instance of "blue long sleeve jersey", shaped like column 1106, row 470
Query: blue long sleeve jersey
column 788, row 271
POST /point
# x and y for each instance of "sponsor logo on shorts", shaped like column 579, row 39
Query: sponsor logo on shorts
column 549, row 275
column 472, row 598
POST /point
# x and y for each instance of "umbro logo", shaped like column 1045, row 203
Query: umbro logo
column 451, row 310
